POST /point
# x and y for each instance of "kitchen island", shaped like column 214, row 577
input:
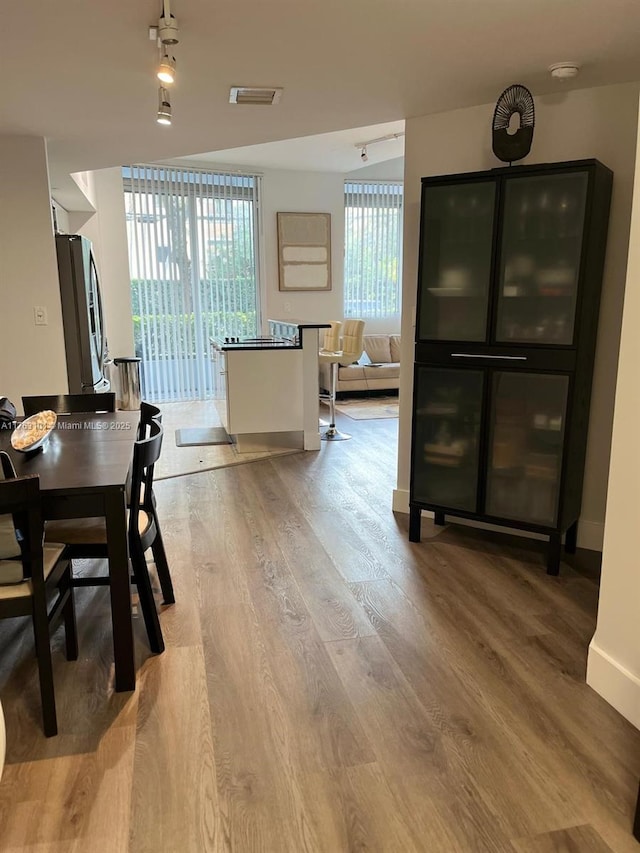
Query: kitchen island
column 270, row 389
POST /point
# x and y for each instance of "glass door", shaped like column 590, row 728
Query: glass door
column 194, row 268
column 456, row 252
column 448, row 411
column 528, row 413
column 540, row 259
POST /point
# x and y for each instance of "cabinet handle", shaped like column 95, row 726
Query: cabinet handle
column 479, row 355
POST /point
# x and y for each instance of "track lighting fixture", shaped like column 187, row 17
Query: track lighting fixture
column 164, row 107
column 167, row 70
column 364, row 145
column 166, row 35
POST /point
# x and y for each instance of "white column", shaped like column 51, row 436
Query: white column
column 613, row 668
column 310, row 389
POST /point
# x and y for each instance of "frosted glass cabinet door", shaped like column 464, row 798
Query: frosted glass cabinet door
column 456, row 250
column 446, row 440
column 540, row 259
column 525, row 451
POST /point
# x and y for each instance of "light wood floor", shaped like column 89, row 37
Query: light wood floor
column 327, row 686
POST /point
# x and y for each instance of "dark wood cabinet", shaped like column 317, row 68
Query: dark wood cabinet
column 509, row 283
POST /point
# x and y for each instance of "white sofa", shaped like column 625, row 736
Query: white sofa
column 377, row 370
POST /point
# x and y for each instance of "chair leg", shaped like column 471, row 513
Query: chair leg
column 70, row 626
column 147, row 602
column 331, row 433
column 162, row 565
column 45, row 666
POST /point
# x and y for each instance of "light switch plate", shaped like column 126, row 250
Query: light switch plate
column 40, row 316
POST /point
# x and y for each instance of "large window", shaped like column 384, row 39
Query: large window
column 194, row 272
column 373, row 248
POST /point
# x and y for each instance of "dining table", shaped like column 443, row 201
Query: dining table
column 84, row 469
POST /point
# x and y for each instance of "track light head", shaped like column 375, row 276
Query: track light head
column 363, row 154
column 167, row 25
column 167, row 70
column 164, row 107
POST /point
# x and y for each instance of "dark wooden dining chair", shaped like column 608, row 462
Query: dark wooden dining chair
column 148, row 415
column 87, row 537
column 70, row 404
column 47, row 572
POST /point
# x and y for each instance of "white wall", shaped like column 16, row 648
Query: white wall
column 313, row 192
column 107, row 231
column 614, row 655
column 32, row 358
column 309, row 192
column 585, row 123
column 389, row 170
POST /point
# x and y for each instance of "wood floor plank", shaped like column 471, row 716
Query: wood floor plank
column 79, row 799
column 521, row 671
column 336, row 613
column 260, row 794
column 174, row 802
column 578, row 839
column 324, row 722
column 471, row 729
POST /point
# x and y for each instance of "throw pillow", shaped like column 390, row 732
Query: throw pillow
column 377, row 348
column 394, row 345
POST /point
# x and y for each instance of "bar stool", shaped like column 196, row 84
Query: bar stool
column 352, row 346
column 330, row 344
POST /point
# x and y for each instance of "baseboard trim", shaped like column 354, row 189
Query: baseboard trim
column 615, row 683
column 400, row 502
column 590, row 533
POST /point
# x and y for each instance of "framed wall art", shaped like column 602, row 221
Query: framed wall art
column 304, row 251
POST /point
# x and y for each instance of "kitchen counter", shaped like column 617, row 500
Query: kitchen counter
column 271, row 387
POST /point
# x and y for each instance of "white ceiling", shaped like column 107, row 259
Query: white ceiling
column 80, row 72
column 324, row 152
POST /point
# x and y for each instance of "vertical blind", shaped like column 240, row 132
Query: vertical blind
column 373, row 248
column 194, row 272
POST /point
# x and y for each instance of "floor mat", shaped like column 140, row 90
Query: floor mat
column 201, row 436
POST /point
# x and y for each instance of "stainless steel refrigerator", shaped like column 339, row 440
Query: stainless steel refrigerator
column 82, row 317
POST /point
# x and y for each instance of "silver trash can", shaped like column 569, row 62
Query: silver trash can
column 127, row 371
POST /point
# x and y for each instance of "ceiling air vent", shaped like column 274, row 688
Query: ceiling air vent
column 264, row 96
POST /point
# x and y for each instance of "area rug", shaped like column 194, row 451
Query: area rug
column 369, row 408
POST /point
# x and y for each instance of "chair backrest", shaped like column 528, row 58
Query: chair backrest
column 20, row 497
column 148, row 414
column 352, row 341
column 146, row 452
column 70, row 404
column 331, row 341
column 9, row 473
column 8, row 470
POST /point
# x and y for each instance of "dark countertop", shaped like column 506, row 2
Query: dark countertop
column 255, row 344
column 270, row 342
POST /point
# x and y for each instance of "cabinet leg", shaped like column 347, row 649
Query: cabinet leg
column 571, row 539
column 414, row 523
column 438, row 518
column 636, row 822
column 553, row 555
